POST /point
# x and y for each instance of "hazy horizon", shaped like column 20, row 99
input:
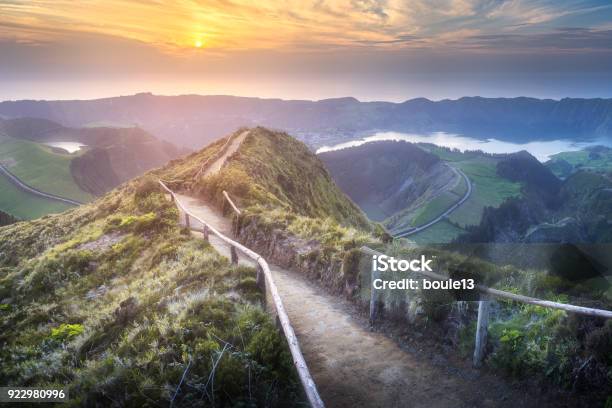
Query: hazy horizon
column 390, row 50
column 290, row 99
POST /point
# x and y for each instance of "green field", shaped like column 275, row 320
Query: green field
column 580, row 160
column 488, row 189
column 24, row 205
column 434, row 208
column 40, row 167
column 440, row 232
column 439, row 204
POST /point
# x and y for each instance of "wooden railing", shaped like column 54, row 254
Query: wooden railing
column 231, row 203
column 483, row 306
column 266, row 283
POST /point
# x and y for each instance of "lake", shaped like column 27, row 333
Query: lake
column 70, row 147
column 542, row 150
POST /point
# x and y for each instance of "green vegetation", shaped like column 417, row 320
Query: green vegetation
column 525, row 341
column 434, row 208
column 443, row 231
column 41, row 167
column 118, row 303
column 25, row 205
column 488, row 190
column 278, row 183
column 277, row 171
column 597, row 158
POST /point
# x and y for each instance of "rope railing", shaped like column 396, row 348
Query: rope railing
column 483, row 306
column 264, row 277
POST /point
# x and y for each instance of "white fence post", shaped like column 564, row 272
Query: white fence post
column 482, row 327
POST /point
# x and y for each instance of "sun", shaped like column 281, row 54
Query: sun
column 198, row 43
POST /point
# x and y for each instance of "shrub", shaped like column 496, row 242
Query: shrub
column 525, row 342
column 66, row 331
column 145, row 187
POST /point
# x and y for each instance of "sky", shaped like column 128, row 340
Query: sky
column 306, row 49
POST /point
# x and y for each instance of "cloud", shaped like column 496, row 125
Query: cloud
column 562, row 39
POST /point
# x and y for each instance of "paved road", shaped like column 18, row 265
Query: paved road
column 20, row 184
column 445, row 213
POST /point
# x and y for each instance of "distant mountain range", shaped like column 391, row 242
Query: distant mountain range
column 194, row 120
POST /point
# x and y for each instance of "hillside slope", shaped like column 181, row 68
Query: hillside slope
column 116, row 302
column 575, row 210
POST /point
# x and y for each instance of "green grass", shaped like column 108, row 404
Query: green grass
column 434, row 208
column 488, row 189
column 24, row 205
column 439, row 204
column 440, row 232
column 581, row 160
column 131, row 321
column 40, row 167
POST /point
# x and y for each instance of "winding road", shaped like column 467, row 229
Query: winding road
column 20, row 184
column 420, row 228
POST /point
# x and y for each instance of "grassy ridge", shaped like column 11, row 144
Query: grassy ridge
column 41, row 168
column 283, row 170
column 116, row 302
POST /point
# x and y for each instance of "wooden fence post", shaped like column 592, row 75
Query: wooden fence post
column 374, row 304
column 187, row 221
column 233, row 254
column 205, row 233
column 261, row 281
column 481, row 330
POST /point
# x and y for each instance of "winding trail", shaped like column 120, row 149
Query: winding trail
column 20, row 184
column 354, row 366
column 439, row 218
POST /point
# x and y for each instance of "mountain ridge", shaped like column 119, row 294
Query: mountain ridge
column 195, row 120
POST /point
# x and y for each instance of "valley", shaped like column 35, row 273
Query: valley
column 432, row 203
column 73, row 164
column 41, row 167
